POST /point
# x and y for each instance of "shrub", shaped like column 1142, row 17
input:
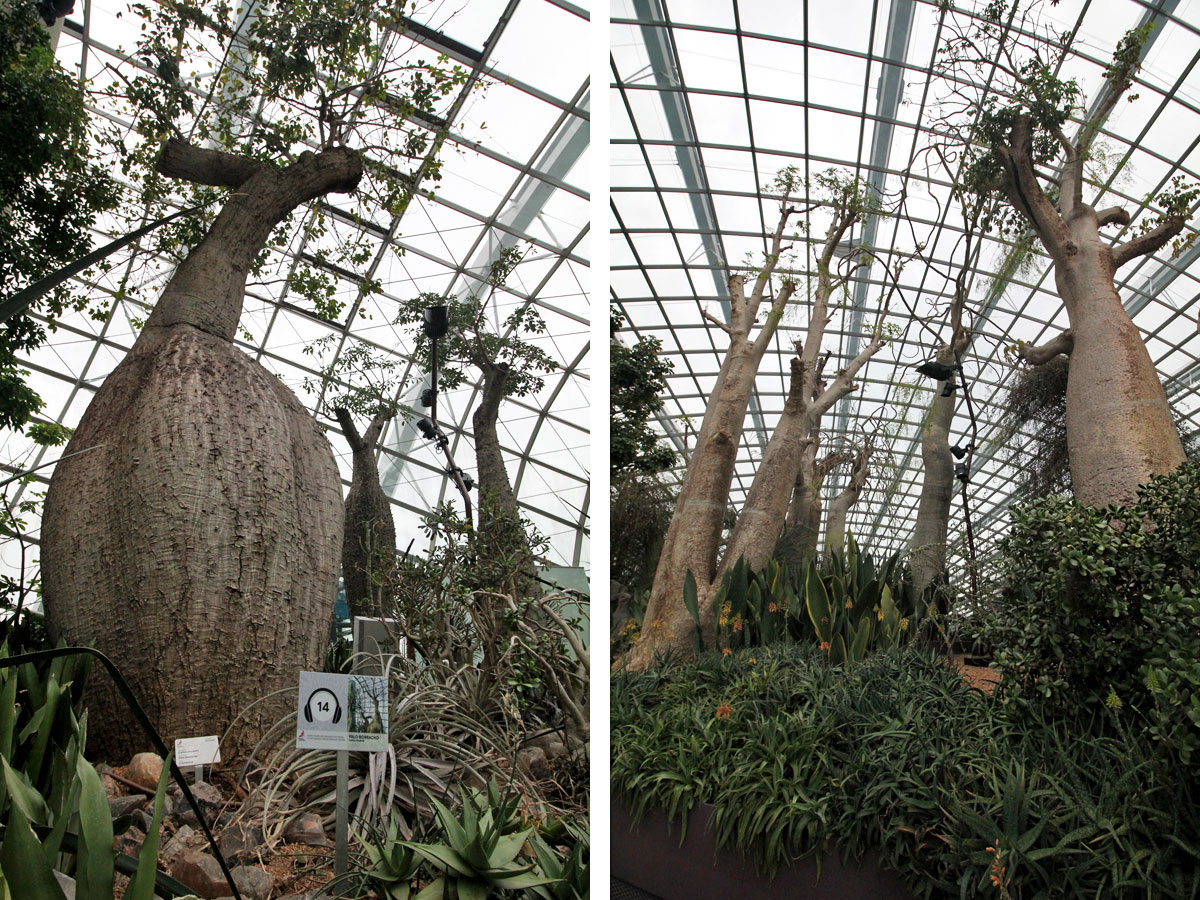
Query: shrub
column 896, row 754
column 1102, row 608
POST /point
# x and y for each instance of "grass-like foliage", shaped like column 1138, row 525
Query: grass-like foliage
column 959, row 793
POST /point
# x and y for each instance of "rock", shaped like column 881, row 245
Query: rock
column 201, row 873
column 183, row 839
column 552, row 744
column 306, row 828
column 533, row 762
column 129, row 841
column 209, row 797
column 123, row 806
column 253, row 883
column 142, row 819
column 145, row 769
column 240, row 842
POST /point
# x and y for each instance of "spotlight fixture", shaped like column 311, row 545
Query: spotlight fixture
column 949, row 388
column 437, row 321
column 960, row 452
column 936, row 370
column 427, row 429
column 427, row 397
column 960, row 472
column 467, row 480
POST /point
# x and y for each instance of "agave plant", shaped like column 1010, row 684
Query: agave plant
column 482, row 842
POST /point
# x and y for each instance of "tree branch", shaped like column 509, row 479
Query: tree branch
column 1146, row 243
column 725, row 328
column 1043, row 353
column 348, row 428
column 179, row 159
column 1112, row 215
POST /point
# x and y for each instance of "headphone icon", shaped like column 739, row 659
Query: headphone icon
column 322, row 693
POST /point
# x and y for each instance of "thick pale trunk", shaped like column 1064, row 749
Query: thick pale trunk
column 199, row 547
column 494, row 487
column 1119, row 427
column 835, row 522
column 695, row 530
column 937, row 488
column 766, row 506
column 800, row 540
column 369, row 541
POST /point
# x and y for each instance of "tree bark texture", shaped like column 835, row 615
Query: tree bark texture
column 1119, row 427
column 199, row 547
column 937, row 487
column 694, row 534
column 369, row 540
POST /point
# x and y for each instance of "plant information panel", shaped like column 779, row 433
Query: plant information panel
column 342, row 712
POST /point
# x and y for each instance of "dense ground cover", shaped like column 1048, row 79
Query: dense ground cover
column 962, row 794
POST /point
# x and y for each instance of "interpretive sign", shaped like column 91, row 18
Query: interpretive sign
column 342, row 712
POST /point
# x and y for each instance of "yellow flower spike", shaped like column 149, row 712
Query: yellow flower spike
column 904, row 624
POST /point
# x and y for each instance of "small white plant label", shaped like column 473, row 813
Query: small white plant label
column 342, row 712
column 197, row 751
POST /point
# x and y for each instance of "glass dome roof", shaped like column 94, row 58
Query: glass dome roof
column 712, row 97
column 514, row 173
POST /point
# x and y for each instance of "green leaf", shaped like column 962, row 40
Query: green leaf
column 142, row 885
column 23, row 861
column 94, row 868
column 817, row 603
column 24, row 796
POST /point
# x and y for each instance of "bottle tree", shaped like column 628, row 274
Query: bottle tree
column 693, row 539
column 1119, row 427
column 840, row 505
column 361, row 383
column 199, row 547
column 509, row 363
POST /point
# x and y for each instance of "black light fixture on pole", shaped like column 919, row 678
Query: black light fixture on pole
column 436, row 324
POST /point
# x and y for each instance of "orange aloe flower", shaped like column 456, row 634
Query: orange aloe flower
column 724, row 711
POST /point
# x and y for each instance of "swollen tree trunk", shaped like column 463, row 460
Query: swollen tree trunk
column 766, row 506
column 1119, row 427
column 694, row 534
column 369, row 541
column 500, row 540
column 198, row 547
column 839, row 506
column 495, row 490
column 937, row 489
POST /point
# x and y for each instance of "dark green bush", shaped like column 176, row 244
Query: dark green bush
column 1102, row 608
column 896, row 754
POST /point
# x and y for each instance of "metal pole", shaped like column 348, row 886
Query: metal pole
column 341, row 822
